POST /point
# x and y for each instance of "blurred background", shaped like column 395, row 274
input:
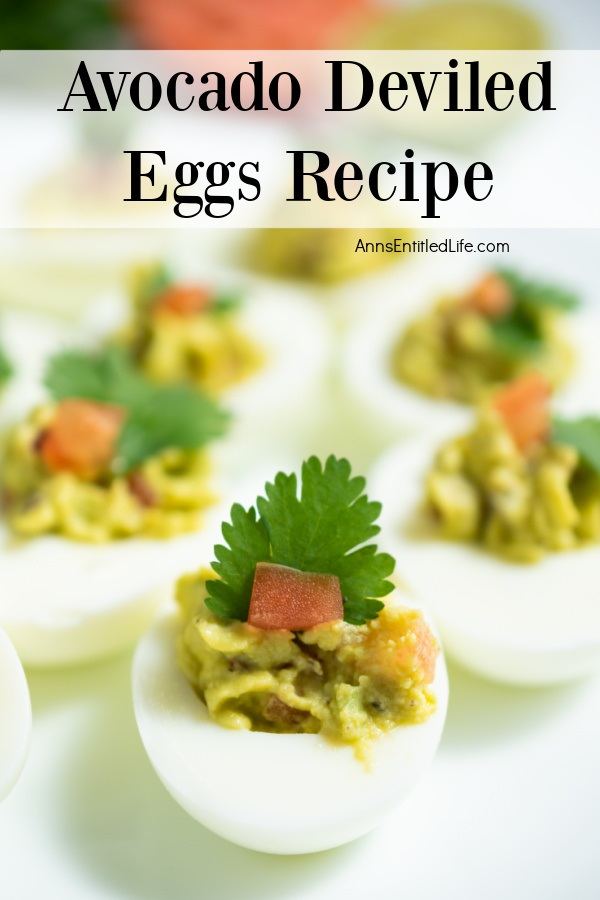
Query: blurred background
column 511, row 808
column 305, row 24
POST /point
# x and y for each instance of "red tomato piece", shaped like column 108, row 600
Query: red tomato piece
column 237, row 24
column 523, row 405
column 81, row 438
column 491, row 296
column 183, row 300
column 286, row 598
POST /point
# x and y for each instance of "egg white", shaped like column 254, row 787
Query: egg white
column 29, row 339
column 15, row 716
column 269, row 792
column 391, row 408
column 524, row 624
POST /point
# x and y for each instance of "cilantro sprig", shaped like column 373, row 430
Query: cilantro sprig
column 158, row 417
column 160, row 277
column 323, row 528
column 583, row 434
column 6, row 367
column 518, row 333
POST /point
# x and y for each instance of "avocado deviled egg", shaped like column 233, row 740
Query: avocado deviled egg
column 326, row 700
column 499, row 531
column 410, row 364
column 250, row 344
column 105, row 489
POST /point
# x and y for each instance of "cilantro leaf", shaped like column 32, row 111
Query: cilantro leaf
column 516, row 335
column 6, row 368
column 105, row 377
column 537, row 294
column 583, row 434
column 167, row 417
column 248, row 541
column 519, row 332
column 159, row 417
column 154, row 281
column 323, row 528
column 226, row 303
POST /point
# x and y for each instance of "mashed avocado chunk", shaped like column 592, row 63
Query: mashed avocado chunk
column 466, row 346
column 186, row 333
column 520, row 502
column 50, row 487
column 350, row 683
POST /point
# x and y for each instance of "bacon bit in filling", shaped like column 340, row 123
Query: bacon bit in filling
column 141, row 490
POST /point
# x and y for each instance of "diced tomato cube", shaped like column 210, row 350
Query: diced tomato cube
column 523, row 405
column 491, row 296
column 183, row 300
column 81, row 438
column 286, row 598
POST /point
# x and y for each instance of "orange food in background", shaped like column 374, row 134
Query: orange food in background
column 183, row 300
column 81, row 438
column 285, row 598
column 523, row 405
column 243, row 24
column 491, row 296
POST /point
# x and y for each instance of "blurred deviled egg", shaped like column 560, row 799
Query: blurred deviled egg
column 15, row 716
column 104, row 489
column 327, row 703
column 261, row 349
column 409, row 364
column 498, row 530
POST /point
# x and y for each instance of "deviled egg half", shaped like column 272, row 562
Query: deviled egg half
column 498, row 529
column 439, row 340
column 15, row 716
column 261, row 349
column 282, row 703
column 105, row 488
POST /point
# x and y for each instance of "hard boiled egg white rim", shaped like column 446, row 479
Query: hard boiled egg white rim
column 15, row 716
column 547, row 612
column 273, row 793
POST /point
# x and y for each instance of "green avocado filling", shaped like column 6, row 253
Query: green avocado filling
column 110, row 456
column 290, row 635
column 164, row 496
column 350, row 683
column 205, row 347
column 521, row 506
column 458, row 351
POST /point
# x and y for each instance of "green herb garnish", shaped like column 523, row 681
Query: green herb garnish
column 322, row 530
column 159, row 417
column 583, row 434
column 158, row 279
column 6, row 367
column 226, row 303
column 519, row 333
